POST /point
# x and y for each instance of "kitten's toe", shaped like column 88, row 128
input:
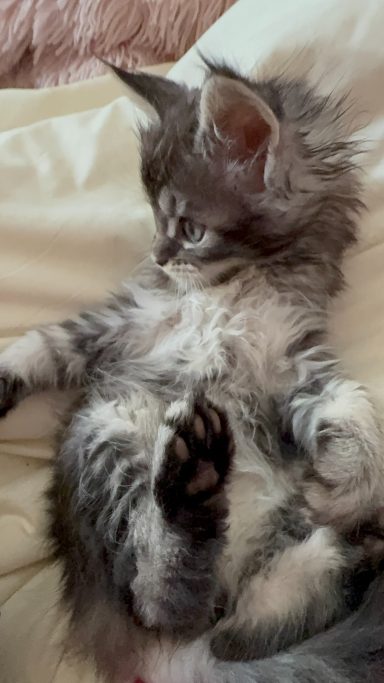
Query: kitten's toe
column 196, row 458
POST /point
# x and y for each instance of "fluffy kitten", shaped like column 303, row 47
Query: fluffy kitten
column 218, row 455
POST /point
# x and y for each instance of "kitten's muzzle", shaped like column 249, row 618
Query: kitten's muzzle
column 181, row 270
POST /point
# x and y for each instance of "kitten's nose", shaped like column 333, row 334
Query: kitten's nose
column 164, row 249
column 161, row 259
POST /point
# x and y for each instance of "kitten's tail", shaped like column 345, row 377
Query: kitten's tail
column 350, row 652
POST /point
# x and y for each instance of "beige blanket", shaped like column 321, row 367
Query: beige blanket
column 73, row 222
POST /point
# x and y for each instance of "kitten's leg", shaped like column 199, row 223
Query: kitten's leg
column 142, row 528
column 100, row 473
column 57, row 355
column 333, row 421
column 192, row 457
column 39, row 360
column 283, row 574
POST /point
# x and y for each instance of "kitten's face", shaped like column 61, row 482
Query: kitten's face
column 243, row 172
column 198, row 231
column 206, row 196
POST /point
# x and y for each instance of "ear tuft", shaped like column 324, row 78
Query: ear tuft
column 155, row 94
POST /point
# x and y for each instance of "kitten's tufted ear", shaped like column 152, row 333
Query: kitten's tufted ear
column 237, row 121
column 155, row 94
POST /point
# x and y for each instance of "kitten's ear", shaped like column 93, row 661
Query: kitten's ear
column 154, row 94
column 234, row 118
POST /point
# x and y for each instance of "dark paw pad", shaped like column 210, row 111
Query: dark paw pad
column 197, row 458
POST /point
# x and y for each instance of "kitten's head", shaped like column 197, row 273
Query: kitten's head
column 241, row 172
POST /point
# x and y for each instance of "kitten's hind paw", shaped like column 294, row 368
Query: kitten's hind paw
column 194, row 451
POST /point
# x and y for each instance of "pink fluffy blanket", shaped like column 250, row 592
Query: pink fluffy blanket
column 49, row 42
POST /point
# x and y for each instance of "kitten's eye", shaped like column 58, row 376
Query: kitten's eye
column 192, row 231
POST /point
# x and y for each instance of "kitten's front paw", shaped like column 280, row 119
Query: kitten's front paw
column 342, row 487
column 196, row 447
column 12, row 390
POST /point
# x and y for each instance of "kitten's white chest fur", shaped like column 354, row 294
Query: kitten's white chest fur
column 239, row 332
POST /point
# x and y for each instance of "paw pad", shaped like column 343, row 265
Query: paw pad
column 197, row 458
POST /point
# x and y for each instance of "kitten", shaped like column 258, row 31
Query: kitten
column 218, row 457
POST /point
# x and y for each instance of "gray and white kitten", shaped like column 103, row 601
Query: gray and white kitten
column 218, row 457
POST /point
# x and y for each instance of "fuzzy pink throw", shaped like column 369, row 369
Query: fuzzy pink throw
column 49, row 42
